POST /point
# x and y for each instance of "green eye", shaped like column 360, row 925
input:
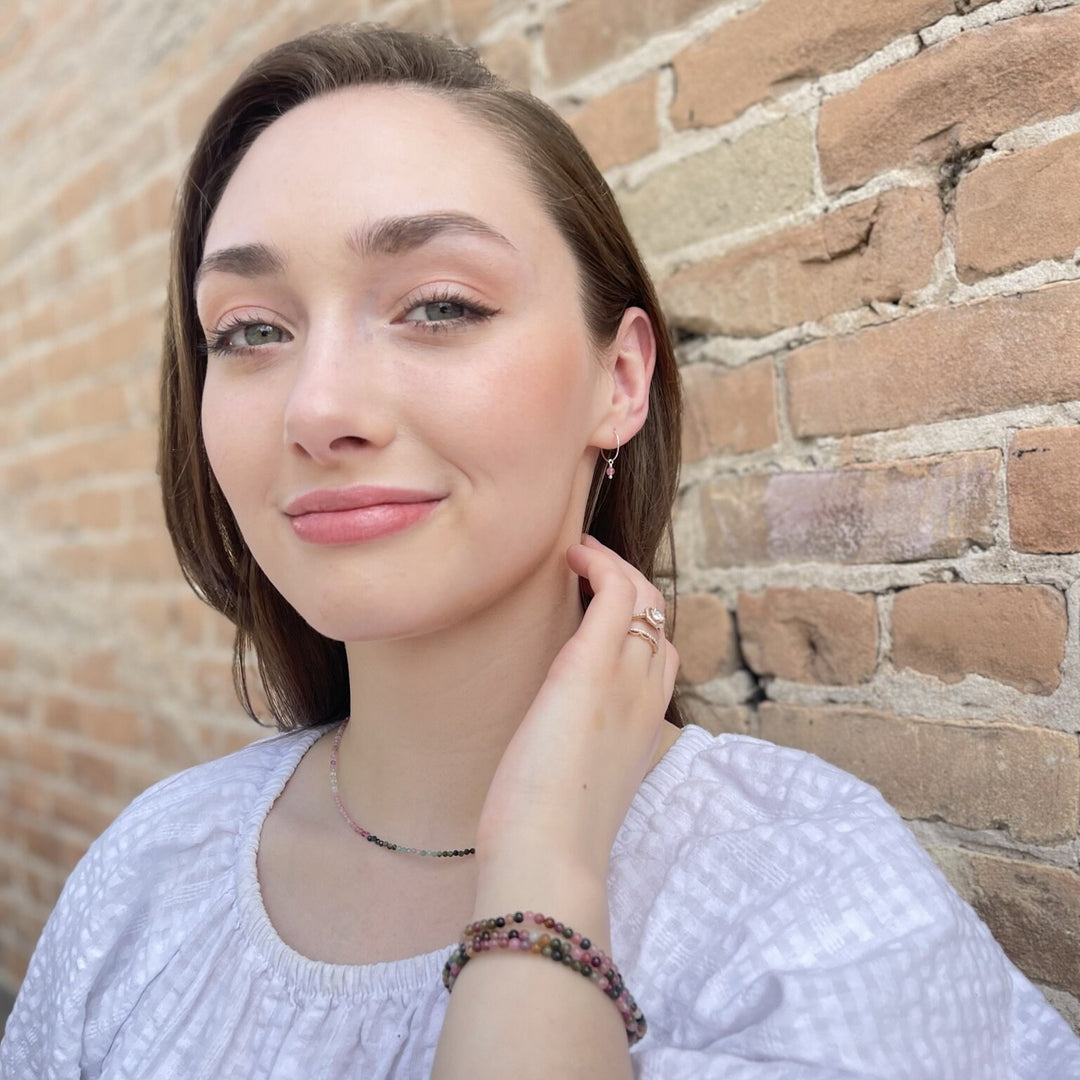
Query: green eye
column 259, row 333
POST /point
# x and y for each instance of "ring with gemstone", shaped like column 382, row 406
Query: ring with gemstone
column 653, row 616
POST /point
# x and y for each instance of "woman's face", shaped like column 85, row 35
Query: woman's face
column 400, row 313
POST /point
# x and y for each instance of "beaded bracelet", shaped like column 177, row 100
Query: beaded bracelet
column 580, row 955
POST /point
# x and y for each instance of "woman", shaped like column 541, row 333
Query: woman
column 411, row 351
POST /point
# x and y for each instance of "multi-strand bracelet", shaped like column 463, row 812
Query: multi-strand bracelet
column 535, row 933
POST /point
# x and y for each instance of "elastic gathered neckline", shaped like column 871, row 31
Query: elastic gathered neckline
column 305, row 977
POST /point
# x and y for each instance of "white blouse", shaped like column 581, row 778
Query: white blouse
column 773, row 916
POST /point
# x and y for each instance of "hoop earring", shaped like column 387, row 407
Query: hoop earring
column 610, row 470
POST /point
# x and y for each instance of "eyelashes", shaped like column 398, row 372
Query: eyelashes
column 218, row 341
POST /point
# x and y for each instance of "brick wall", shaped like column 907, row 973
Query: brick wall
column 865, row 222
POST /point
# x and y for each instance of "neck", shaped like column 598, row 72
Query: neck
column 432, row 715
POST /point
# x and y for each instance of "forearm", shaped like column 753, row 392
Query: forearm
column 513, row 1014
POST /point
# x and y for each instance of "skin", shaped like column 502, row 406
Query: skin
column 472, row 664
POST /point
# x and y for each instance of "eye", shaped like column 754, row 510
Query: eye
column 445, row 311
column 252, row 335
column 436, row 312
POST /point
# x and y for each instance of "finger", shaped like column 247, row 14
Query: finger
column 614, row 598
column 649, row 594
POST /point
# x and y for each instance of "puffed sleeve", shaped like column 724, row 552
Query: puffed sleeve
column 803, row 934
column 44, row 1034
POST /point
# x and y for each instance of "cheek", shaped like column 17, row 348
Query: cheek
column 235, row 436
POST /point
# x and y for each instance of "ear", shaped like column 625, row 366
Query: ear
column 630, row 360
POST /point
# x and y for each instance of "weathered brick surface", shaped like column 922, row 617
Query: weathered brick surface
column 705, row 638
column 809, row 635
column 979, row 776
column 620, row 126
column 952, row 97
column 1012, row 633
column 511, row 60
column 1018, row 210
column 587, row 33
column 1043, row 481
column 877, row 249
column 774, row 47
column 924, row 509
column 469, row 17
column 1032, row 910
column 728, row 410
column 963, row 361
column 768, row 172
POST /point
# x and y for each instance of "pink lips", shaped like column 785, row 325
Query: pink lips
column 353, row 514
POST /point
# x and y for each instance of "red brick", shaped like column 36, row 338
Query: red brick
column 809, row 635
column 705, row 638
column 1044, row 490
column 780, row 44
column 620, row 126
column 952, row 97
column 921, row 509
column 1033, row 911
column 1019, row 209
column 728, row 410
column 968, row 360
column 878, row 249
column 143, row 558
column 1014, row 634
column 977, row 776
column 587, row 33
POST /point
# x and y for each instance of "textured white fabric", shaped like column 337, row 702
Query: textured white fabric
column 773, row 917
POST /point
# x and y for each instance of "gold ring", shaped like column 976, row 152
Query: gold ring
column 653, row 616
column 638, row 632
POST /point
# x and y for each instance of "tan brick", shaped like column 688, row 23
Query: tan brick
column 95, row 669
column 932, row 508
column 780, row 44
column 144, row 558
column 1043, row 482
column 94, row 770
column 735, row 719
column 621, row 125
column 108, row 725
column 91, row 407
column 587, row 33
column 766, row 173
column 137, row 335
column 968, row 360
column 80, row 510
column 511, row 60
column 878, row 249
column 469, row 17
column 728, row 410
column 116, row 452
column 194, row 109
column 1018, row 210
column 977, row 776
column 18, row 382
column 809, row 635
column 705, row 638
column 1012, row 633
column 1033, row 911
column 79, row 194
column 952, row 97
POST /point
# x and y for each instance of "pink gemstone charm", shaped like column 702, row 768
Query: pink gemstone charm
column 610, row 471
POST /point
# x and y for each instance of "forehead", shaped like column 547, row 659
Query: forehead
column 365, row 153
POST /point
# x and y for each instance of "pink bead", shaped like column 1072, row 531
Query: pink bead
column 538, row 919
column 576, row 939
column 528, row 916
column 603, row 983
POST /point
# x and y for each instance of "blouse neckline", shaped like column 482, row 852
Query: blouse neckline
column 405, row 976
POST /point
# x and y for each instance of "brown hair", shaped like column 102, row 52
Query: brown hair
column 303, row 673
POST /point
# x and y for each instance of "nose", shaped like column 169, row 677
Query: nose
column 340, row 398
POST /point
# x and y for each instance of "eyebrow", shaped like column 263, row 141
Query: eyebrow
column 387, row 236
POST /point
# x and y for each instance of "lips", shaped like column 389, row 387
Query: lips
column 329, row 500
column 351, row 515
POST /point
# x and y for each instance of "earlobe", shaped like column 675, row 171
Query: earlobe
column 631, row 360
